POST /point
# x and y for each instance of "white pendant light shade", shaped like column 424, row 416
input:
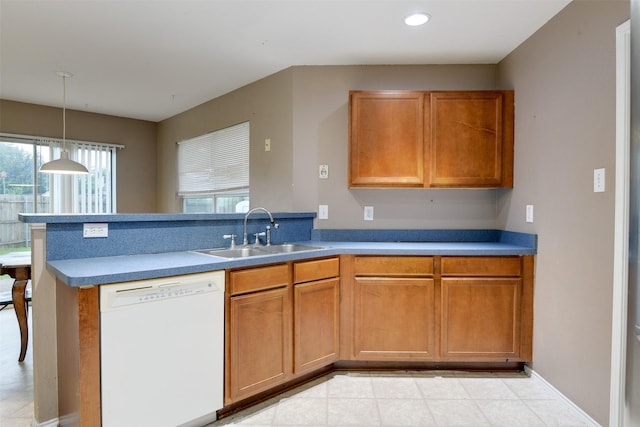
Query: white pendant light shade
column 64, row 165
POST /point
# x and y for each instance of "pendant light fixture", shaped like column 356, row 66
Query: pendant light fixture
column 64, row 165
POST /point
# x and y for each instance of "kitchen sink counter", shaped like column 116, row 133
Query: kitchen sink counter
column 113, row 269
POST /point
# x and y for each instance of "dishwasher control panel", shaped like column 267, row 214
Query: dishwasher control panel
column 140, row 292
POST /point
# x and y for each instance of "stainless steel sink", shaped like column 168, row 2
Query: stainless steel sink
column 250, row 251
column 242, row 252
column 287, row 247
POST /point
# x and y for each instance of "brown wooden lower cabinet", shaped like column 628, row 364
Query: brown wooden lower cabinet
column 258, row 331
column 437, row 309
column 282, row 322
column 394, row 319
column 316, row 324
column 480, row 319
column 316, row 317
column 259, row 344
column 487, row 308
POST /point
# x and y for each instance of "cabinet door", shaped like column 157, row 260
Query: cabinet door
column 259, row 343
column 394, row 319
column 481, row 319
column 386, row 139
column 316, row 324
column 470, row 138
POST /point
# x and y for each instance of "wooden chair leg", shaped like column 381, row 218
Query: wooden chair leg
column 20, row 307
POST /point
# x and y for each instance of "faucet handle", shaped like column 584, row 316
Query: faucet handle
column 257, row 236
column 232, row 237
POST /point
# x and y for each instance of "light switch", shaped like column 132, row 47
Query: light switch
column 267, row 144
column 529, row 214
column 368, row 213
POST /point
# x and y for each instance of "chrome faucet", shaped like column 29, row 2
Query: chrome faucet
column 245, row 241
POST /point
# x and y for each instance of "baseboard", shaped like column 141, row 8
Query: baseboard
column 586, row 418
column 50, row 423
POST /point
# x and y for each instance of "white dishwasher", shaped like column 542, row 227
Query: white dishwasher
column 162, row 351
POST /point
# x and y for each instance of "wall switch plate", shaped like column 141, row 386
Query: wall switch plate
column 598, row 180
column 90, row 230
column 267, row 144
column 323, row 212
column 368, row 213
column 529, row 215
column 323, row 171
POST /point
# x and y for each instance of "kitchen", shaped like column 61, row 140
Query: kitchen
column 565, row 128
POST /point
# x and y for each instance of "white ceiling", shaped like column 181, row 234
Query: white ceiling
column 152, row 59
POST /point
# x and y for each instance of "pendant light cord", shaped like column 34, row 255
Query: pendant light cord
column 65, row 75
column 64, row 113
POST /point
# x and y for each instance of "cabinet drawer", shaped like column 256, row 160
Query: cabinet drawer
column 307, row 271
column 256, row 279
column 481, row 266
column 393, row 266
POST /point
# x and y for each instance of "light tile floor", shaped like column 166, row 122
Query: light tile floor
column 434, row 398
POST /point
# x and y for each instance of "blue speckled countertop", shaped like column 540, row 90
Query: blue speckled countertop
column 113, row 269
column 145, row 246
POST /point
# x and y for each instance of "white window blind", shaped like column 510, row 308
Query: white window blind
column 92, row 193
column 94, row 190
column 215, row 162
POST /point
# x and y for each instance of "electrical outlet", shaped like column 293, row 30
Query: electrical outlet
column 368, row 213
column 598, row 180
column 323, row 171
column 323, row 212
column 90, row 230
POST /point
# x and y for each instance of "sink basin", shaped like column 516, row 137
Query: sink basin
column 287, row 247
column 243, row 252
column 250, row 251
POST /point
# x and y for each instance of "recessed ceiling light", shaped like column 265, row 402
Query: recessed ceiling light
column 416, row 19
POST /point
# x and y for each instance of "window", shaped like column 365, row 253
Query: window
column 24, row 190
column 213, row 171
column 92, row 193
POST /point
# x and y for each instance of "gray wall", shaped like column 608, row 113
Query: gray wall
column 564, row 80
column 304, row 110
column 136, row 163
column 267, row 105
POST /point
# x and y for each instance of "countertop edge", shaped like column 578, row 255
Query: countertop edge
column 126, row 268
column 145, row 217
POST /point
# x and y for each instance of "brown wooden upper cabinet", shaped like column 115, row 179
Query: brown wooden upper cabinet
column 445, row 139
